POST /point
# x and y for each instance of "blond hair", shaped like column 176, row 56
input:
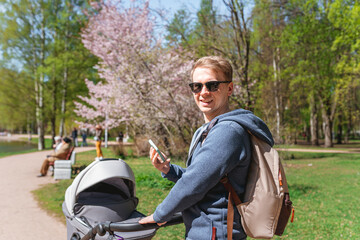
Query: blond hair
column 217, row 64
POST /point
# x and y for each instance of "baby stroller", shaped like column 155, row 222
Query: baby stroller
column 101, row 204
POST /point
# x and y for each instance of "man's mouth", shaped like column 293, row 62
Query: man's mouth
column 206, row 102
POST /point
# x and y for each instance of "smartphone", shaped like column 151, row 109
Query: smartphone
column 156, row 149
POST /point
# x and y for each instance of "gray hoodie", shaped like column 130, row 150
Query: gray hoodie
column 198, row 193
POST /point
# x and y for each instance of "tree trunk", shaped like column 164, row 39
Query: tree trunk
column 277, row 104
column 54, row 107
column 28, row 128
column 348, row 130
column 64, row 93
column 242, row 42
column 339, row 130
column 55, row 86
column 246, row 75
column 346, row 137
column 39, row 91
column 308, row 134
column 328, row 107
column 314, row 125
column 40, row 116
column 63, row 103
column 327, row 128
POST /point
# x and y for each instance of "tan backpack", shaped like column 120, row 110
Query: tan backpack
column 266, row 208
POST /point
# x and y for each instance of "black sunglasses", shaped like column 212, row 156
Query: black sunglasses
column 212, row 86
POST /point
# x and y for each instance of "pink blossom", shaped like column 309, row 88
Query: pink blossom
column 143, row 82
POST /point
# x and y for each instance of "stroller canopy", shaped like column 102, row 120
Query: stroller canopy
column 110, row 171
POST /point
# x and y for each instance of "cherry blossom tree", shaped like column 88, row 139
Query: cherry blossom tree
column 101, row 107
column 144, row 84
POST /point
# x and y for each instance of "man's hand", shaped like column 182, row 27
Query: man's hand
column 156, row 161
column 150, row 219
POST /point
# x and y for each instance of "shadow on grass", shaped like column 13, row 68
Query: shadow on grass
column 285, row 155
column 297, row 190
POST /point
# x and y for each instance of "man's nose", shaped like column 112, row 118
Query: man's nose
column 204, row 90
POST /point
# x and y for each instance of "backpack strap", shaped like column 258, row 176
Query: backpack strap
column 200, row 137
column 209, row 127
column 233, row 198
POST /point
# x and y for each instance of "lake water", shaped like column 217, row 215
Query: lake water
column 15, row 146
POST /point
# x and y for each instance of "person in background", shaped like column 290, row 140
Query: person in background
column 97, row 138
column 224, row 150
column 121, row 137
column 83, row 132
column 61, row 153
column 74, row 135
column 57, row 144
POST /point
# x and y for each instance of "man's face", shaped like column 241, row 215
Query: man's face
column 215, row 103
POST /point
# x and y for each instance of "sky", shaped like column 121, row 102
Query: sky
column 193, row 6
column 174, row 5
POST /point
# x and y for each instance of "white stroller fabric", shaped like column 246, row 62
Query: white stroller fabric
column 112, row 172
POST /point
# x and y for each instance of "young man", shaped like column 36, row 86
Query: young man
column 225, row 150
column 60, row 153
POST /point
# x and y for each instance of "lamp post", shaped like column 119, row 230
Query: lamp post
column 106, row 129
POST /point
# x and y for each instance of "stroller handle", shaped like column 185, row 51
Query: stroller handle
column 104, row 227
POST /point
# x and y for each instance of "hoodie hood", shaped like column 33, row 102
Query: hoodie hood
column 250, row 122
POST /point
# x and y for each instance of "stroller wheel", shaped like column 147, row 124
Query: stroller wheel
column 75, row 236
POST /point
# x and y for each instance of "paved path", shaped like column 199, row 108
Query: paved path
column 20, row 215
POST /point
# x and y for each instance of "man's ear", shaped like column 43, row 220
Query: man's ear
column 230, row 88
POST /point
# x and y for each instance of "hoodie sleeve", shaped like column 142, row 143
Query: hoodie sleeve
column 174, row 173
column 226, row 146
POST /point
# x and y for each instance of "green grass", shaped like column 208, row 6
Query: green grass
column 5, row 154
column 324, row 189
column 325, row 192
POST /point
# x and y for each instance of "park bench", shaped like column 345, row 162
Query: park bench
column 63, row 168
